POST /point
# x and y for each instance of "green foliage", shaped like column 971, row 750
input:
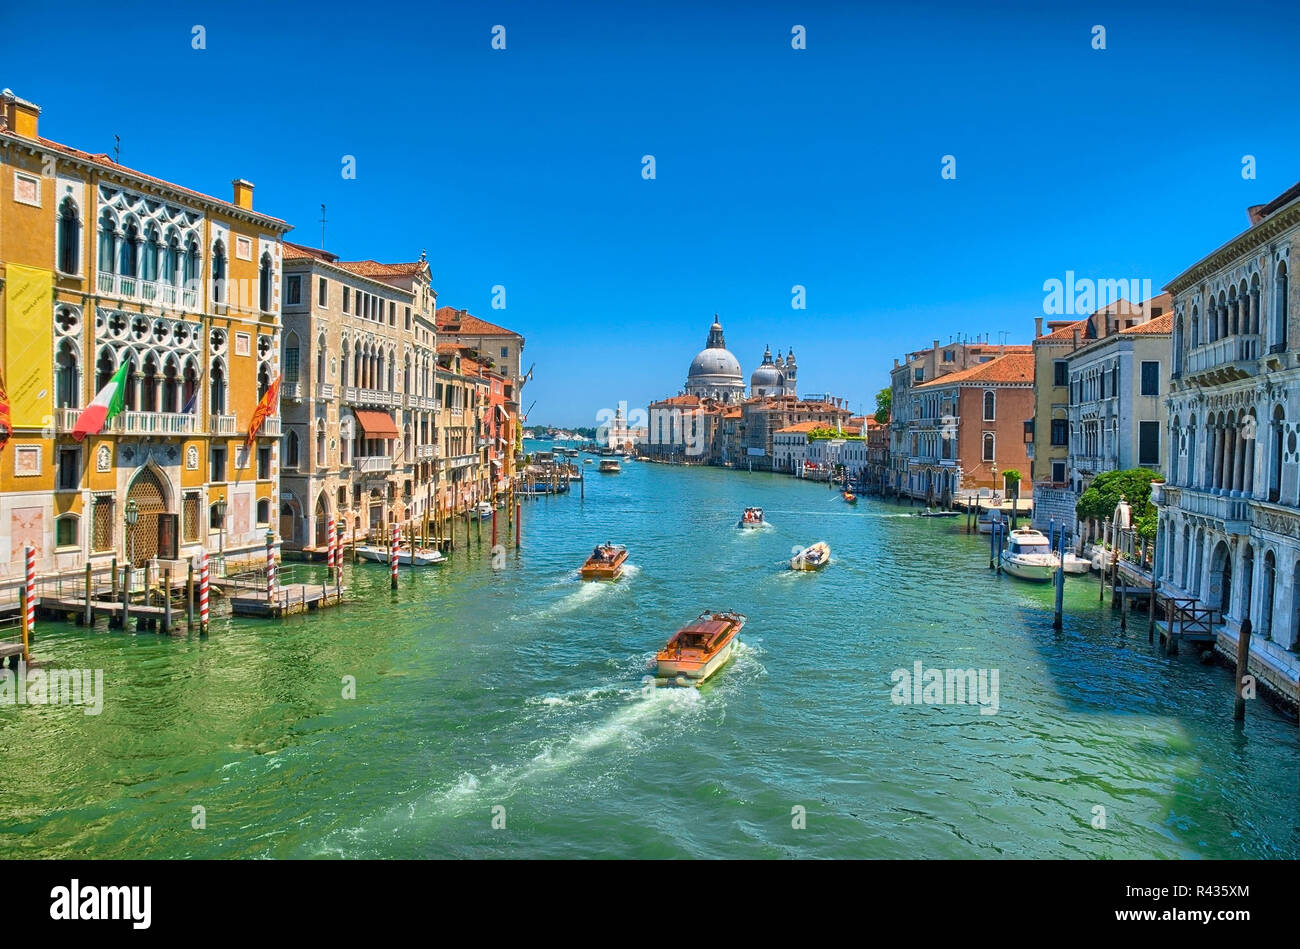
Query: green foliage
column 884, row 405
column 826, row 432
column 1011, row 477
column 1099, row 501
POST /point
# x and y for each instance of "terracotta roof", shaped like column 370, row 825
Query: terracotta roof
column 798, row 427
column 1161, row 324
column 294, row 251
column 449, row 348
column 452, row 320
column 679, row 400
column 105, row 162
column 1065, row 332
column 373, row 268
column 1013, row 367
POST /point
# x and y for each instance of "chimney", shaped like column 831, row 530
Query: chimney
column 936, row 344
column 18, row 115
column 243, row 193
column 1076, row 338
column 1038, row 326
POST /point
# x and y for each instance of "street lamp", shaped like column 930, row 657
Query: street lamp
column 219, row 508
column 132, row 517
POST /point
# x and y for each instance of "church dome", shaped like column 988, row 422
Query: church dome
column 767, row 379
column 714, row 362
column 715, row 373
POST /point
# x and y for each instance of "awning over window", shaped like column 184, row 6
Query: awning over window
column 376, row 424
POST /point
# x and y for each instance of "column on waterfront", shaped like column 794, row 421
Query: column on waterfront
column 1216, row 465
column 1239, row 473
column 1252, row 446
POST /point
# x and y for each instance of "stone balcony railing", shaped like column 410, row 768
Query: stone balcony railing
column 325, row 390
column 134, row 423
column 1233, row 512
column 154, row 292
column 1223, row 353
column 358, row 396
column 224, row 425
column 374, row 464
column 292, row 391
column 271, row 427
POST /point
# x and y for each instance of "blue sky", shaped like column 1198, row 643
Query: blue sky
column 775, row 167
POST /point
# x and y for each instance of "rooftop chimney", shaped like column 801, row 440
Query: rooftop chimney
column 243, row 193
column 1076, row 337
column 18, row 115
column 1038, row 326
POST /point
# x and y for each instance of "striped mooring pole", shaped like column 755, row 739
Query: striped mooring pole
column 270, row 569
column 331, row 541
column 29, row 616
column 392, row 555
column 203, row 594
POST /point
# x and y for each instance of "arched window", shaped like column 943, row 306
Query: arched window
column 291, row 358
column 189, row 388
column 131, row 382
column 291, row 450
column 130, row 251
column 217, row 389
column 67, row 531
column 67, row 376
column 263, row 380
column 219, row 272
column 264, row 283
column 104, row 368
column 988, row 446
column 69, row 237
column 990, row 406
column 320, row 359
column 170, row 386
column 149, row 385
column 1196, row 328
column 152, row 252
column 190, row 265
column 1178, row 347
column 107, row 242
column 320, row 445
column 172, row 262
column 263, row 512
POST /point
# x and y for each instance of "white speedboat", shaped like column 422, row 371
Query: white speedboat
column 988, row 519
column 1076, row 565
column 1029, row 555
column 424, row 556
column 752, row 519
column 482, row 509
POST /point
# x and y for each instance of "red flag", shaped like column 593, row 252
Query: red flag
column 6, row 427
column 269, row 405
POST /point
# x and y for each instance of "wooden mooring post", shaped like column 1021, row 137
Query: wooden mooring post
column 88, row 614
column 126, row 595
column 1243, row 665
column 167, row 601
column 189, row 598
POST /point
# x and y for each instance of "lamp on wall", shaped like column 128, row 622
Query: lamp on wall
column 132, row 517
column 219, row 508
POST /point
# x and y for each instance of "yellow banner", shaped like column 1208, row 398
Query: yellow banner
column 29, row 345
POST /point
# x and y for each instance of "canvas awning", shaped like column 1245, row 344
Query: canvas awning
column 376, row 424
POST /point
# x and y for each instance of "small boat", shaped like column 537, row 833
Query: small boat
column 1075, row 565
column 988, row 518
column 605, row 563
column 1029, row 555
column 424, row 556
column 812, row 558
column 609, row 466
column 482, row 509
column 929, row 513
column 586, row 461
column 849, row 497
column 751, row 518
column 699, row 649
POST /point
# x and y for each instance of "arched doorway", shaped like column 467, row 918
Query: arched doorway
column 322, row 521
column 154, row 533
column 1221, row 578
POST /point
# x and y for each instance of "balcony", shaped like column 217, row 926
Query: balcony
column 1233, row 512
column 134, row 423
column 271, row 427
column 374, row 464
column 224, row 425
column 377, row 397
column 426, row 451
column 325, row 391
column 292, row 391
column 1224, row 360
column 152, row 292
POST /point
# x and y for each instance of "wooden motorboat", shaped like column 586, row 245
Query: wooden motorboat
column 929, row 513
column 423, row 557
column 699, row 649
column 609, row 466
column 751, row 518
column 849, row 497
column 812, row 558
column 605, row 563
column 990, row 519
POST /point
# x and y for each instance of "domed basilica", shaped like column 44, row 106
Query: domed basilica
column 715, row 373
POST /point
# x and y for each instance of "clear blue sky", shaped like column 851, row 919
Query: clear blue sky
column 775, row 167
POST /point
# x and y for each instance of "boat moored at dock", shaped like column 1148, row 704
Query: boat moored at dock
column 1029, row 555
column 605, row 563
column 814, row 557
column 422, row 557
column 699, row 649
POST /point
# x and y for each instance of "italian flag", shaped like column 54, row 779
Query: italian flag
column 106, row 406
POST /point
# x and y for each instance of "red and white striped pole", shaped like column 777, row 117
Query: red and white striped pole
column 270, row 569
column 392, row 557
column 331, row 539
column 29, row 625
column 203, row 594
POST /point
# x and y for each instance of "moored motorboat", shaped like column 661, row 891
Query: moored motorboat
column 699, row 649
column 1076, row 565
column 586, row 461
column 988, row 519
column 482, row 509
column 1029, row 555
column 751, row 518
column 423, row 556
column 812, row 558
column 609, row 466
column 929, row 513
column 605, row 563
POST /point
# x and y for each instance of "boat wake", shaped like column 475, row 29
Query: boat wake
column 585, row 594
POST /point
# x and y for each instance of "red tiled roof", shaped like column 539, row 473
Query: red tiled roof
column 373, row 268
column 800, row 427
column 679, row 400
column 294, row 251
column 1013, row 367
column 452, row 320
column 1161, row 324
column 105, row 162
column 1065, row 332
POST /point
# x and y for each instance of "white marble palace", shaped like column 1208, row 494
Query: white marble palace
column 1230, row 516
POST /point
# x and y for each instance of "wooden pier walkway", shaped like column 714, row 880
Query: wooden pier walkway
column 289, row 599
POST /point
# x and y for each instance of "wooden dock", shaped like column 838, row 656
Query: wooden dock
column 289, row 599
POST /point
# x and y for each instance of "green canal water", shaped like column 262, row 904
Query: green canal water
column 514, row 695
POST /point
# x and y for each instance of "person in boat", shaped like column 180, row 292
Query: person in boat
column 598, row 553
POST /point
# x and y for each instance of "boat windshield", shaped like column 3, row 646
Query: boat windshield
column 1030, row 548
